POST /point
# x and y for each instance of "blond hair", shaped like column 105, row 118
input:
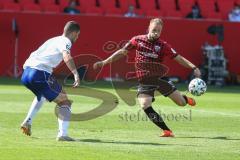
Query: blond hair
column 156, row 21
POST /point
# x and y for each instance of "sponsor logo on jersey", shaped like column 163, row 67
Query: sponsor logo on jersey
column 147, row 54
column 141, row 44
column 145, row 47
column 157, row 48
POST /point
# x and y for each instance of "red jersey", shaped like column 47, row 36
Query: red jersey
column 149, row 56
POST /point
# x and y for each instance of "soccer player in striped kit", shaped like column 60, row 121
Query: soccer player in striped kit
column 150, row 53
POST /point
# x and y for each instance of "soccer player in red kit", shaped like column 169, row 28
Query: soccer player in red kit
column 150, row 52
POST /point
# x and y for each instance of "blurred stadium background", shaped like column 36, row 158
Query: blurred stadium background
column 211, row 42
column 104, row 29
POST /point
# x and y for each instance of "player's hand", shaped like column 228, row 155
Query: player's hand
column 76, row 82
column 197, row 73
column 98, row 64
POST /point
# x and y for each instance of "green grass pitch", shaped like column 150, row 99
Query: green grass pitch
column 209, row 131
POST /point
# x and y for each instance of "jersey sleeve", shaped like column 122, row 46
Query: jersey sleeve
column 131, row 44
column 65, row 46
column 169, row 51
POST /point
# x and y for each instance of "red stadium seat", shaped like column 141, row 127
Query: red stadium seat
column 23, row 2
column 141, row 12
column 94, row 11
column 185, row 6
column 207, row 6
column 114, row 11
column 186, row 9
column 225, row 6
column 147, row 5
column 109, row 7
column 47, row 2
column 32, row 8
column 214, row 15
column 155, row 13
column 206, row 10
column 7, row 1
column 64, row 3
column 108, row 3
column 124, row 4
column 87, row 4
column 174, row 13
column 167, row 5
column 191, row 2
column 52, row 8
column 13, row 7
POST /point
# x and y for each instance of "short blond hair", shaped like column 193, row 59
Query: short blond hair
column 157, row 21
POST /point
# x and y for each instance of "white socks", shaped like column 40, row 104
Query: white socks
column 64, row 114
column 35, row 106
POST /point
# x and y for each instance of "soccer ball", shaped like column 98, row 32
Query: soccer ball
column 197, row 87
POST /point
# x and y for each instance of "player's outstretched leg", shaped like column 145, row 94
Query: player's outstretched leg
column 64, row 115
column 181, row 100
column 26, row 124
column 146, row 102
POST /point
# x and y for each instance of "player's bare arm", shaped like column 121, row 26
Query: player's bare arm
column 71, row 65
column 114, row 57
column 186, row 63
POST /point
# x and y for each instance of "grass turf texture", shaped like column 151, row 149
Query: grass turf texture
column 208, row 131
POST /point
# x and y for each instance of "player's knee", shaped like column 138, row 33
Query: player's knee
column 61, row 98
column 145, row 104
column 63, row 92
column 66, row 102
column 145, row 101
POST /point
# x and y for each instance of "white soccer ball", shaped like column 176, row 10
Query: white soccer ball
column 197, row 87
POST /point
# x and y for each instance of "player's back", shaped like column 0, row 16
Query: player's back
column 49, row 54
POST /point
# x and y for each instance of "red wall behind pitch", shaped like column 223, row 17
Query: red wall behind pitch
column 186, row 36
